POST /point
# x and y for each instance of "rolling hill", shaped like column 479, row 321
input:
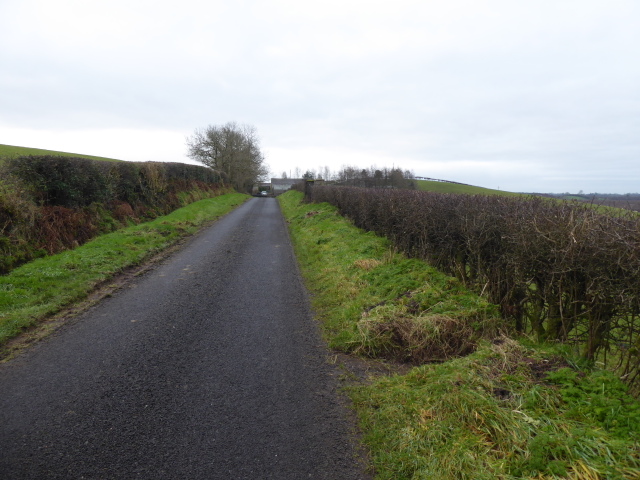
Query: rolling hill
column 449, row 187
column 11, row 151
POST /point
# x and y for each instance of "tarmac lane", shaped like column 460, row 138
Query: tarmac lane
column 209, row 366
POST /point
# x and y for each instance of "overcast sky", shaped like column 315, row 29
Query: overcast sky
column 534, row 96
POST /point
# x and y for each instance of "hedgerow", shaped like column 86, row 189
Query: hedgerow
column 563, row 272
column 52, row 203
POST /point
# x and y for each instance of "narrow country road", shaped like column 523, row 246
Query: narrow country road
column 207, row 367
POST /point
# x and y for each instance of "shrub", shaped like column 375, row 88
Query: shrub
column 52, row 203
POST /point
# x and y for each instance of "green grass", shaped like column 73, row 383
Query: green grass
column 487, row 416
column 445, row 187
column 11, row 151
column 43, row 287
column 505, row 409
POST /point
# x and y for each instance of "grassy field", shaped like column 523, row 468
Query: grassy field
column 10, row 151
column 446, row 187
column 39, row 289
column 474, row 404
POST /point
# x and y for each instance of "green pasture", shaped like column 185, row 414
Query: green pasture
column 13, row 151
column 446, row 187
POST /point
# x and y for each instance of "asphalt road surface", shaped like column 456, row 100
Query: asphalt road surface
column 209, row 366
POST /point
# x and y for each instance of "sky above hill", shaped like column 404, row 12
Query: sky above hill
column 537, row 96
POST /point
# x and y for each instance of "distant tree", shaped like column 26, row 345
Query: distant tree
column 284, row 175
column 376, row 178
column 232, row 150
column 396, row 178
column 365, row 177
column 308, row 175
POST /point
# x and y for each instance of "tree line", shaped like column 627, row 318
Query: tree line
column 372, row 177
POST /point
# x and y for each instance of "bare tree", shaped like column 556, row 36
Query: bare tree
column 232, row 150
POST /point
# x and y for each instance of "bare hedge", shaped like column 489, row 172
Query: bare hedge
column 562, row 271
column 77, row 182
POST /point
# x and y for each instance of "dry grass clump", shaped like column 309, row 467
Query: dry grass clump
column 367, row 263
column 509, row 357
column 434, row 322
column 414, row 339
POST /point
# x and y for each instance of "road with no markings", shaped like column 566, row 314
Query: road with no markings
column 209, row 366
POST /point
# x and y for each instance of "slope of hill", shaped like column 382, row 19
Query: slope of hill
column 448, row 187
column 11, row 151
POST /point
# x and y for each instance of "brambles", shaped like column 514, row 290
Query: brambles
column 564, row 272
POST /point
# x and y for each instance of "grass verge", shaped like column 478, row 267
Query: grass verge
column 43, row 287
column 485, row 406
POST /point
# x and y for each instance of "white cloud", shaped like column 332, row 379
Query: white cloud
column 542, row 86
column 122, row 144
